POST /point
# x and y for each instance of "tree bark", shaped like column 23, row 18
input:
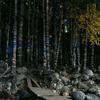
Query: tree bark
column 20, row 36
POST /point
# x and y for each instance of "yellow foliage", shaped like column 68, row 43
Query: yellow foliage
column 89, row 21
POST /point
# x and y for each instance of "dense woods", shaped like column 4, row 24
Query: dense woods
column 46, row 34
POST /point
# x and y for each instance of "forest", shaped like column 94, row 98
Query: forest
column 55, row 41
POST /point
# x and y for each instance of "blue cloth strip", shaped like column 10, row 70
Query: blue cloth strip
column 21, row 26
column 93, row 45
column 29, row 44
column 21, row 45
column 9, row 50
column 78, row 45
column 14, row 44
column 59, row 47
column 85, row 45
column 44, row 48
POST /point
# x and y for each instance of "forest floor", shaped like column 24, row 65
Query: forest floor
column 64, row 81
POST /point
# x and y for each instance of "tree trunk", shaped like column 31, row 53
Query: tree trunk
column 20, row 36
column 59, row 41
column 32, row 35
column 47, row 33
column 92, row 52
column 85, row 49
column 0, row 30
column 8, row 35
column 37, row 51
column 29, row 47
column 44, row 39
column 14, row 47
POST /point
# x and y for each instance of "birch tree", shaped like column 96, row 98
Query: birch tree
column 28, row 48
column 14, row 46
column 20, row 36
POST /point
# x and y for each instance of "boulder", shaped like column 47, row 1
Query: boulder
column 63, row 73
column 82, row 86
column 65, row 80
column 78, row 95
column 65, row 88
column 73, row 89
column 56, row 75
column 20, row 77
column 93, row 89
column 24, row 94
column 2, row 63
column 91, row 97
column 22, row 70
column 84, row 77
column 88, row 72
column 59, row 86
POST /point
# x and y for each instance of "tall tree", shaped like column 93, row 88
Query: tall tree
column 14, row 46
column 44, row 38
column 29, row 47
column 92, row 52
column 85, row 45
column 8, row 50
column 60, row 30
column 32, row 36
column 47, row 33
column 37, row 44
column 20, row 36
column 0, row 29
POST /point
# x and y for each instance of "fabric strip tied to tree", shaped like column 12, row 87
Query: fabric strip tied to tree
column 9, row 50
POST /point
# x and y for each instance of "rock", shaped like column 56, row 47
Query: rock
column 91, row 97
column 56, row 75
column 72, row 82
column 76, row 82
column 91, row 82
column 53, row 85
column 18, row 98
column 93, row 89
column 2, row 63
column 30, row 70
column 63, row 73
column 18, row 82
column 65, row 80
column 65, row 93
column 78, row 95
column 24, row 94
column 73, row 89
column 97, row 94
column 54, row 91
column 88, row 72
column 88, row 97
column 65, row 88
column 84, row 77
column 98, row 78
column 20, row 77
column 75, row 76
column 2, row 70
column 59, row 86
column 22, row 70
column 98, row 70
column 9, row 84
column 82, row 86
